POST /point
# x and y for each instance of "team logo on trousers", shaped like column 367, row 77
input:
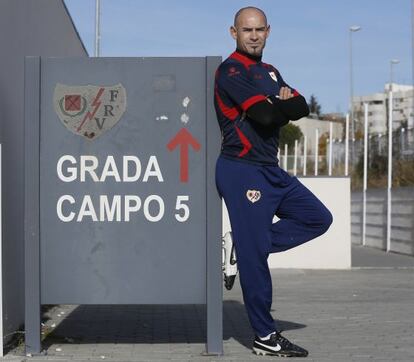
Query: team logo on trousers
column 253, row 195
column 89, row 111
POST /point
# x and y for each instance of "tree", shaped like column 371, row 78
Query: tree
column 314, row 106
column 288, row 134
column 323, row 140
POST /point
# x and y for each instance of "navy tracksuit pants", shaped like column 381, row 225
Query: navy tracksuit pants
column 253, row 195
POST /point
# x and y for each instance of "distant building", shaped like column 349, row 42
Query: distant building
column 309, row 125
column 403, row 113
column 334, row 117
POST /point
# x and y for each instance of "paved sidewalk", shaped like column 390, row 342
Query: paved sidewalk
column 352, row 315
column 363, row 257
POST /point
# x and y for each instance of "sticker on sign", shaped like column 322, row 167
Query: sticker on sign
column 90, row 110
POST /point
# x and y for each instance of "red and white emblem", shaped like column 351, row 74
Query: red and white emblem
column 90, row 110
column 253, row 195
column 273, row 76
column 233, row 71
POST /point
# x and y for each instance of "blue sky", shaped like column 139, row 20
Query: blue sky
column 309, row 40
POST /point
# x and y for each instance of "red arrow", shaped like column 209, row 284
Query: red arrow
column 183, row 138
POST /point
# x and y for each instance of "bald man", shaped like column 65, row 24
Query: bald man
column 252, row 103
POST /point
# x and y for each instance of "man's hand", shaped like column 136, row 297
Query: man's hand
column 285, row 93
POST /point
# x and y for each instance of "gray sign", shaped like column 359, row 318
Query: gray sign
column 121, row 206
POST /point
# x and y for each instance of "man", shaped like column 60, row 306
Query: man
column 252, row 103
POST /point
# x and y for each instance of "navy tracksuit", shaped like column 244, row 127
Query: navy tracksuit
column 255, row 188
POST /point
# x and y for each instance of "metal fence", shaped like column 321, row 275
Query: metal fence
column 382, row 181
column 402, row 220
column 377, row 147
column 377, row 153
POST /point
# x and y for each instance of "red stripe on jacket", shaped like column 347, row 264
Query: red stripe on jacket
column 246, row 143
column 230, row 112
column 252, row 100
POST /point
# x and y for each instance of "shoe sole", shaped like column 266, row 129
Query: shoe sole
column 260, row 352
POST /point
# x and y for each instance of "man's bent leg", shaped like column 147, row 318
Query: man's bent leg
column 303, row 217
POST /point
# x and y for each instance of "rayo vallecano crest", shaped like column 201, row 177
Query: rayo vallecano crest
column 89, row 110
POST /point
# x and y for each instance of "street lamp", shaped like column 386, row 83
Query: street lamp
column 352, row 29
column 97, row 28
column 392, row 63
column 389, row 178
column 412, row 55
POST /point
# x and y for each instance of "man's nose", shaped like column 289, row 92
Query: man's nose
column 253, row 35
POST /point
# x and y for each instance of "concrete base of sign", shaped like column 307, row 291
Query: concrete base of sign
column 331, row 250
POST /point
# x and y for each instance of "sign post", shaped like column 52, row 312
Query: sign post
column 121, row 204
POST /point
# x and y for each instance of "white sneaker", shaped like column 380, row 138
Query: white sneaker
column 229, row 260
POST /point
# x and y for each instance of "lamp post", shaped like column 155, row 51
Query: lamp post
column 392, row 63
column 97, row 28
column 412, row 54
column 389, row 178
column 352, row 30
column 365, row 177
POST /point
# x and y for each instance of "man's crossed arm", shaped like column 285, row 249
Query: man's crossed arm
column 279, row 109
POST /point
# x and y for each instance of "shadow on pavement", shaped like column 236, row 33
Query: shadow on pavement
column 147, row 324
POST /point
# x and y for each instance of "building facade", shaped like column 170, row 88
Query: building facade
column 378, row 109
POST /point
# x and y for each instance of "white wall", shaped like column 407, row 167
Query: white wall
column 331, row 250
column 308, row 126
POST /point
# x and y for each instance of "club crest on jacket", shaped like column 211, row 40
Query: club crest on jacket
column 253, row 195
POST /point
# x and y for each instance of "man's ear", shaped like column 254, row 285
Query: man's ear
column 267, row 31
column 233, row 32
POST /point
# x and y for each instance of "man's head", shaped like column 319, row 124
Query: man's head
column 250, row 30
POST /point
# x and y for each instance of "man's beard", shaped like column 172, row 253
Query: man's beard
column 256, row 50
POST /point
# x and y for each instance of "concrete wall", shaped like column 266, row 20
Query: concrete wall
column 402, row 219
column 308, row 126
column 27, row 27
column 331, row 250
